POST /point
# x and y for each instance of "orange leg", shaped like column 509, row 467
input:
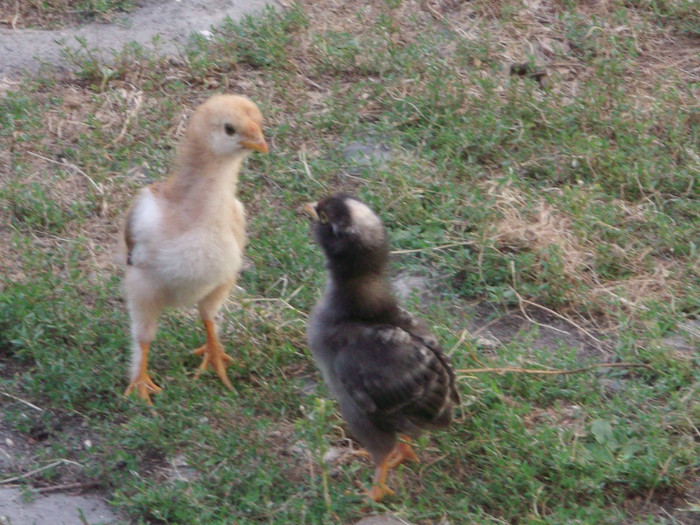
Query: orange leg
column 380, row 489
column 401, row 452
column 214, row 355
column 143, row 384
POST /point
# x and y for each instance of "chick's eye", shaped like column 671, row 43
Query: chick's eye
column 229, row 129
column 322, row 217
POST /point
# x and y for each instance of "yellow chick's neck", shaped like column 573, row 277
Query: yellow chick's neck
column 197, row 175
column 203, row 192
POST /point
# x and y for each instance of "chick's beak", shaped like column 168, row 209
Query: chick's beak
column 254, row 139
column 257, row 145
column 310, row 210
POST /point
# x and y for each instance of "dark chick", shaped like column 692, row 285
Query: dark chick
column 387, row 371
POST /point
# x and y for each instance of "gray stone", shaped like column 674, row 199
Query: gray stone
column 405, row 285
column 56, row 509
column 487, row 341
column 611, row 386
column 687, row 339
column 180, row 469
column 679, row 343
column 368, row 152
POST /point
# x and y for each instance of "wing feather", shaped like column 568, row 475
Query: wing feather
column 397, row 378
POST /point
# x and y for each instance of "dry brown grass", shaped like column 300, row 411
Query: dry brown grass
column 538, row 230
column 537, row 32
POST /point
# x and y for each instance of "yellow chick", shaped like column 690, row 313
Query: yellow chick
column 185, row 236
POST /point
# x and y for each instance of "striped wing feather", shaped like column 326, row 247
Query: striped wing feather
column 394, row 375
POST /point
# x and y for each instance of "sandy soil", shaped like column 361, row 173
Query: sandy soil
column 23, row 50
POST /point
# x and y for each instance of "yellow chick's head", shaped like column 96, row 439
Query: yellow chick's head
column 227, row 126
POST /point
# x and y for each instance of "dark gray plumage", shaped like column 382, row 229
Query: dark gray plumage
column 387, row 371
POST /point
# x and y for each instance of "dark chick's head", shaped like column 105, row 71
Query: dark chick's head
column 351, row 235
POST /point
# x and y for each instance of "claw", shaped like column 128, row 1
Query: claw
column 380, row 489
column 402, row 452
column 142, row 383
column 378, row 492
column 362, row 453
column 214, row 357
column 144, row 387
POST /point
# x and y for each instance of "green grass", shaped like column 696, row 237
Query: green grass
column 579, row 197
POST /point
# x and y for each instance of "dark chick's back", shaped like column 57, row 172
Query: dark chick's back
column 401, row 381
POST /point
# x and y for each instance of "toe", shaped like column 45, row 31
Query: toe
column 379, row 491
column 221, row 372
column 144, row 387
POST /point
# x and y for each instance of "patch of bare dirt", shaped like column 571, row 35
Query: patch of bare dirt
column 24, row 50
column 27, row 435
column 493, row 327
column 34, row 481
column 667, row 505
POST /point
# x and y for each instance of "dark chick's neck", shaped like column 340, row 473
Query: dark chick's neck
column 366, row 297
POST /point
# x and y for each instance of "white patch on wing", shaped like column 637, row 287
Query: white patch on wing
column 147, row 212
column 145, row 225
